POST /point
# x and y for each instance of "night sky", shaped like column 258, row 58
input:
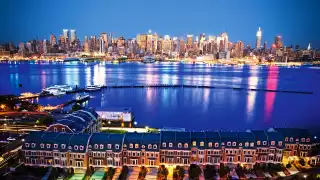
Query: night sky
column 297, row 21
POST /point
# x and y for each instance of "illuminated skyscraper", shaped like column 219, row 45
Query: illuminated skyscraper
column 259, row 35
column 105, row 39
column 309, row 47
column 101, row 45
column 65, row 34
column 239, row 47
column 53, row 39
column 182, row 46
column 166, row 44
column 225, row 40
column 86, row 44
column 73, row 35
column 189, row 40
column 278, row 42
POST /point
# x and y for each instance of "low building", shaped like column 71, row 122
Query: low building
column 80, row 121
column 119, row 117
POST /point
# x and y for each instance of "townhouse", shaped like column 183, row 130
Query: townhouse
column 77, row 152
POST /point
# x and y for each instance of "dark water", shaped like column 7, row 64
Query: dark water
column 191, row 108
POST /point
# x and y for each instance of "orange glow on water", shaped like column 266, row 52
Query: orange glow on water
column 272, row 83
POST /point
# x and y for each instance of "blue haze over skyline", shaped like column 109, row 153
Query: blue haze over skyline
column 297, row 21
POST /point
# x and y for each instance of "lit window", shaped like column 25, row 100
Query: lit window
column 234, row 144
column 251, row 144
column 143, row 146
column 273, row 143
column 228, row 143
column 280, row 143
column 194, row 143
column 302, row 139
column 216, row 144
column 109, row 146
column 179, row 145
column 117, row 146
column 163, row 144
column 42, row 145
column 136, row 146
column 246, row 144
column 170, row 144
column 63, row 129
column 48, row 145
column 210, row 144
column 131, row 145
column 185, row 145
column 75, row 147
column 308, row 139
column 96, row 146
column 55, row 146
column 33, row 145
column 258, row 143
column 154, row 146
column 201, row 143
column 149, row 146
column 291, row 139
column 240, row 144
column 63, row 146
column 264, row 143
column 286, row 139
column 55, row 129
column 26, row 144
column 81, row 148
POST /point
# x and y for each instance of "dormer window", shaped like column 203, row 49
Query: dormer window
column 179, row 145
column 63, row 146
column 143, row 146
column 131, row 145
column 117, row 146
column 201, row 143
column 48, row 145
column 194, row 143
column 26, row 144
column 273, row 143
column 55, row 146
column 280, row 143
column 136, row 146
column 164, row 144
column 252, row 144
column 303, row 139
column 246, row 144
column 234, row 144
column 258, row 143
column 33, row 145
column 286, row 139
column 154, row 146
column 210, row 144
column 109, row 146
column 96, row 146
column 81, row 148
column 216, row 144
column 55, row 129
column 185, row 145
column 42, row 145
column 101, row 146
column 76, row 147
column 291, row 139
column 63, row 129
column 264, row 143
column 240, row 144
column 149, row 146
column 308, row 139
column 228, row 143
column 170, row 144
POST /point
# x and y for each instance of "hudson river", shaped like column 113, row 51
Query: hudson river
column 190, row 108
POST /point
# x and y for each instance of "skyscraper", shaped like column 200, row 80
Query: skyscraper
column 278, row 42
column 65, row 34
column 73, row 35
column 259, row 35
column 105, row 38
column 101, row 45
column 225, row 39
column 53, row 39
column 189, row 40
column 86, row 44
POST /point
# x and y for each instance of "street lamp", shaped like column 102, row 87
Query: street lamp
column 305, row 176
column 135, row 123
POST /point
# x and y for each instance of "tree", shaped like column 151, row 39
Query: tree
column 142, row 173
column 124, row 173
column 76, row 107
column 194, row 171
column 209, row 172
column 288, row 165
column 222, row 170
column 45, row 120
column 162, row 173
column 302, row 162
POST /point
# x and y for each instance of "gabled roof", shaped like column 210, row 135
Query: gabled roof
column 228, row 136
column 105, row 139
column 133, row 138
column 294, row 132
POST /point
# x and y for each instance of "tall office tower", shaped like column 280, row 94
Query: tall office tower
column 142, row 41
column 309, row 47
column 265, row 45
column 225, row 39
column 278, row 42
column 189, row 41
column 149, row 42
column 73, row 35
column 22, row 50
column 175, row 44
column 259, row 36
column 239, row 47
column 154, row 42
column 201, row 42
column 105, row 38
column 159, row 45
column 101, row 45
column 86, row 44
column 53, row 39
column 65, row 35
column 110, row 39
column 166, row 44
column 182, row 46
column 44, row 46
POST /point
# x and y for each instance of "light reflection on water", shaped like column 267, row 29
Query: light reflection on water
column 193, row 108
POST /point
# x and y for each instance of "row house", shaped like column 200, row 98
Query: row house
column 297, row 142
column 79, row 151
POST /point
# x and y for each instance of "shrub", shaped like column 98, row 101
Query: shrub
column 302, row 162
column 124, row 173
column 162, row 172
column 194, row 171
column 288, row 165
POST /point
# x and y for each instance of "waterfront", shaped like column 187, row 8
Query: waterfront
column 191, row 108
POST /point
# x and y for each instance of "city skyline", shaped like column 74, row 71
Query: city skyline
column 239, row 19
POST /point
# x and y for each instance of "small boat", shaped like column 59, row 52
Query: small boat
column 82, row 97
column 93, row 88
column 71, row 59
column 148, row 59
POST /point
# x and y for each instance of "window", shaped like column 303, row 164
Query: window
column 101, row 146
column 163, row 144
column 210, row 144
column 170, row 145
column 179, row 145
column 136, row 146
column 55, row 129
column 308, row 139
column 258, row 143
column 81, row 148
column 149, row 146
column 264, row 143
column 75, row 147
column 96, row 146
column 55, row 146
column 42, row 145
column 246, row 144
column 33, row 145
column 143, row 146
column 131, row 145
column 63, row 129
column 48, row 145
column 251, row 144
column 228, row 143
column 303, row 139
column 291, row 139
column 26, row 144
column 194, row 143
column 216, row 144
column 286, row 139
column 63, row 146
column 234, row 144
column 201, row 143
column 273, row 143
column 117, row 146
column 185, row 145
column 240, row 144
column 154, row 146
